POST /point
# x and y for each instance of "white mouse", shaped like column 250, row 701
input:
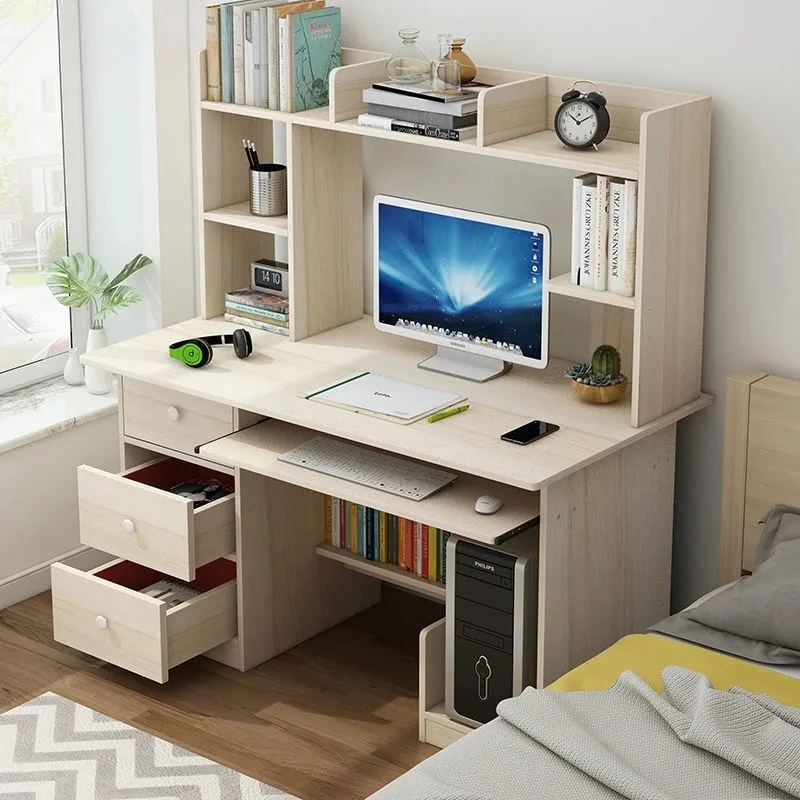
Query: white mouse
column 488, row 504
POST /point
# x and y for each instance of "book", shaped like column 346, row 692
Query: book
column 315, row 50
column 250, row 297
column 328, row 519
column 601, row 232
column 353, row 527
column 213, row 57
column 383, row 537
column 263, row 57
column 424, row 535
column 392, row 546
column 577, row 225
column 417, row 563
column 343, row 541
column 246, row 322
column 424, row 91
column 361, row 524
column 588, row 233
column 616, row 236
column 238, row 55
column 458, row 108
column 630, row 230
column 285, row 47
column 249, row 62
column 254, row 312
column 256, row 26
column 433, row 553
column 274, row 15
column 425, row 117
column 226, row 51
column 417, row 129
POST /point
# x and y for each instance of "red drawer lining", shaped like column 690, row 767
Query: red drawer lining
column 172, row 471
column 136, row 577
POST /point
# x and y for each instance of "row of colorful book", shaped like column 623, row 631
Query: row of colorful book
column 254, row 309
column 604, row 226
column 274, row 54
column 386, row 539
column 423, row 111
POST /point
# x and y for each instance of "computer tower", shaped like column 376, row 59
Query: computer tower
column 491, row 624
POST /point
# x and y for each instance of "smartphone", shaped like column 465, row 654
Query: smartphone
column 530, row 432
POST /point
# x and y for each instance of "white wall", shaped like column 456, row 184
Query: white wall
column 741, row 53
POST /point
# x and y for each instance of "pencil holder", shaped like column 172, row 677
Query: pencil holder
column 268, row 190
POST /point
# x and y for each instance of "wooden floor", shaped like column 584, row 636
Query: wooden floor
column 333, row 719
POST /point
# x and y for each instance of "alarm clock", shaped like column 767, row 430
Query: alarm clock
column 270, row 277
column 582, row 119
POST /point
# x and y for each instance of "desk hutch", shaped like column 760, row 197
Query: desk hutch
column 602, row 487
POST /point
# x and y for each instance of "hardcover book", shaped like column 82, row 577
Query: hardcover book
column 226, row 51
column 417, row 128
column 262, row 325
column 588, row 234
column 577, row 224
column 469, row 92
column 458, row 108
column 601, row 248
column 213, row 63
column 315, row 50
column 250, row 297
column 630, row 216
column 616, row 236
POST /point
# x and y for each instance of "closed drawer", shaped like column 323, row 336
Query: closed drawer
column 105, row 614
column 170, row 419
column 134, row 516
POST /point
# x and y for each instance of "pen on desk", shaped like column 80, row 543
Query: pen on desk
column 247, row 152
column 450, row 412
column 256, row 162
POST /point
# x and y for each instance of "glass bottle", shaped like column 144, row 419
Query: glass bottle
column 445, row 71
column 468, row 68
column 409, row 64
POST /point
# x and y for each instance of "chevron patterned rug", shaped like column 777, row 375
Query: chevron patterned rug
column 54, row 749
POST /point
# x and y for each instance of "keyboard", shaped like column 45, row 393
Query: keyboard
column 369, row 468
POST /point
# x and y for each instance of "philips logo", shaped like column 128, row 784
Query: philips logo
column 484, row 567
column 383, row 394
column 458, row 344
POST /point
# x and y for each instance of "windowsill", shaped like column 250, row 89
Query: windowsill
column 36, row 412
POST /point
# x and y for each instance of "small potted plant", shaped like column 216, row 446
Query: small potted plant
column 600, row 381
column 78, row 280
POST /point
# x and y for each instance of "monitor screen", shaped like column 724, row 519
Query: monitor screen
column 470, row 279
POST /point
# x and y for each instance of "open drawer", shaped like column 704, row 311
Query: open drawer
column 105, row 614
column 134, row 516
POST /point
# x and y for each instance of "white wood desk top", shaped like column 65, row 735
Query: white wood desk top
column 273, row 382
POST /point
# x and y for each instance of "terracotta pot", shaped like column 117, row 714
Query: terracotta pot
column 602, row 395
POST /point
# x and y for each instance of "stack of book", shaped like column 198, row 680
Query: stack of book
column 386, row 539
column 274, row 54
column 422, row 111
column 253, row 309
column 604, row 212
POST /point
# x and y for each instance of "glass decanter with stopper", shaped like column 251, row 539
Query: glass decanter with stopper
column 445, row 71
column 409, row 64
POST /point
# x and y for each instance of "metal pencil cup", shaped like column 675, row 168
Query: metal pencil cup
column 268, row 190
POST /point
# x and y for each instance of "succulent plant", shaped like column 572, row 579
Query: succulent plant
column 598, row 379
column 604, row 369
column 606, row 361
column 578, row 371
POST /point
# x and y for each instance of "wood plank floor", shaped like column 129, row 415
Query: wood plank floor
column 333, row 719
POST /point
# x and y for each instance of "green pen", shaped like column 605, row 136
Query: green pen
column 450, row 412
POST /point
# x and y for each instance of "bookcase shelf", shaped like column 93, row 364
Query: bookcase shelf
column 239, row 216
column 561, row 284
column 388, row 573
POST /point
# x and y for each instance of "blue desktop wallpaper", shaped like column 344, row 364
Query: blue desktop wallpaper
column 454, row 277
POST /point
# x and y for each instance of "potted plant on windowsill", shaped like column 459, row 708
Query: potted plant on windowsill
column 601, row 380
column 79, row 280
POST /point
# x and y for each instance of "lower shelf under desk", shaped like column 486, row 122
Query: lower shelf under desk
column 388, row 573
column 256, row 449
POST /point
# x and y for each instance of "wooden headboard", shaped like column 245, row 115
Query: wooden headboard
column 761, row 462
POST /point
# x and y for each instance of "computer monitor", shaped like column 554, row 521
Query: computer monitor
column 473, row 284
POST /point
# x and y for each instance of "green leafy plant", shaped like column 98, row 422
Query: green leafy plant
column 79, row 280
column 604, row 369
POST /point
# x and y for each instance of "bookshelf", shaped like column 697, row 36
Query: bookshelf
column 658, row 137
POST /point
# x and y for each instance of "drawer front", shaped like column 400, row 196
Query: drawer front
column 171, row 419
column 150, row 526
column 110, row 622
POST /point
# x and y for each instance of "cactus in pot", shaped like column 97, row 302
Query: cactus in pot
column 599, row 381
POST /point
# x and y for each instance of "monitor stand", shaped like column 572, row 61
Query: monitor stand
column 465, row 365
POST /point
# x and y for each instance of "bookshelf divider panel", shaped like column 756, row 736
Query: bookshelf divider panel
column 326, row 230
column 671, row 261
column 512, row 110
column 347, row 84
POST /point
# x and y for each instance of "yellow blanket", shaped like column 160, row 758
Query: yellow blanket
column 648, row 655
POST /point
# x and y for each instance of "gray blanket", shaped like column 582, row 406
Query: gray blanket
column 693, row 743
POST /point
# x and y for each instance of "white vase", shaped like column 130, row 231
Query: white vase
column 73, row 370
column 98, row 381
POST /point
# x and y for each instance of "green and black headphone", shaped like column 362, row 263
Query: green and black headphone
column 197, row 353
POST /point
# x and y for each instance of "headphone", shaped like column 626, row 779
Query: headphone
column 197, row 353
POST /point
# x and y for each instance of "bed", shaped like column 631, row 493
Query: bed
column 655, row 716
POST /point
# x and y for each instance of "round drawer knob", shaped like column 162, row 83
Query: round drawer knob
column 128, row 526
column 174, row 413
column 101, row 622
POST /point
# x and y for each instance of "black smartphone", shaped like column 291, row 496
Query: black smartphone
column 530, row 432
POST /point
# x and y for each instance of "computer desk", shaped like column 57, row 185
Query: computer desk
column 603, row 490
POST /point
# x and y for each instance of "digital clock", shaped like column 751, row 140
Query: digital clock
column 270, row 277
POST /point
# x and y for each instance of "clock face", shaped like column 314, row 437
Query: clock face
column 577, row 123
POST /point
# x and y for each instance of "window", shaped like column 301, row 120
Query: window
column 42, row 210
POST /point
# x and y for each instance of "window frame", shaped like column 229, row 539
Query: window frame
column 69, row 41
